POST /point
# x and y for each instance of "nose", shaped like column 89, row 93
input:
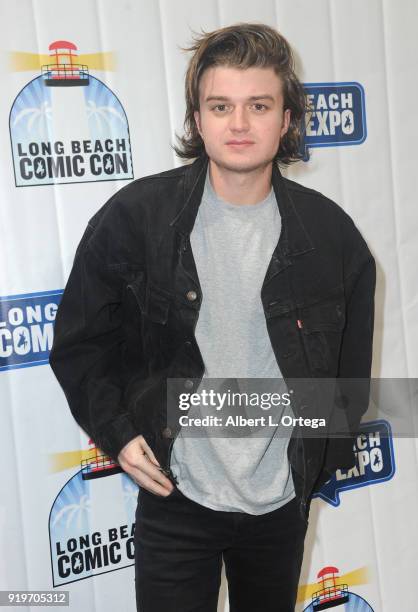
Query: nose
column 239, row 120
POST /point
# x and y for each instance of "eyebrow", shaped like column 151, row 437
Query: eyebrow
column 252, row 98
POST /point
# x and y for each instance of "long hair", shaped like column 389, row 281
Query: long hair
column 244, row 45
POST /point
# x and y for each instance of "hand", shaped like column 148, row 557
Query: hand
column 138, row 460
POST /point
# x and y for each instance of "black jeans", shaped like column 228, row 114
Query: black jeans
column 179, row 546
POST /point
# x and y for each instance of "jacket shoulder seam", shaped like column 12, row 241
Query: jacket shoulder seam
column 166, row 174
column 294, row 186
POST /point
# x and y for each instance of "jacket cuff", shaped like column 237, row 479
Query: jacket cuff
column 339, row 454
column 322, row 478
column 112, row 438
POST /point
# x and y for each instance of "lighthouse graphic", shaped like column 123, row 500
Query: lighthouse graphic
column 64, row 71
column 97, row 464
column 67, row 126
column 331, row 591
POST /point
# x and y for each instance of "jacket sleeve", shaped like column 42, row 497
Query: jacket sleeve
column 357, row 343
column 86, row 355
column 353, row 381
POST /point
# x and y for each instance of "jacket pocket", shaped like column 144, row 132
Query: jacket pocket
column 154, row 303
column 321, row 325
column 154, row 310
column 324, row 315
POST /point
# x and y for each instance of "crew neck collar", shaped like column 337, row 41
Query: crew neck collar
column 212, row 197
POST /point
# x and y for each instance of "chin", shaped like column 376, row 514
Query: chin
column 240, row 165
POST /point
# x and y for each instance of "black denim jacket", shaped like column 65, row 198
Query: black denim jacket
column 127, row 317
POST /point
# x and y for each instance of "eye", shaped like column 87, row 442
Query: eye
column 258, row 104
column 219, row 107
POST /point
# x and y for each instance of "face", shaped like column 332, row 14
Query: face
column 241, row 118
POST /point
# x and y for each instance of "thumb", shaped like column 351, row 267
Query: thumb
column 148, row 451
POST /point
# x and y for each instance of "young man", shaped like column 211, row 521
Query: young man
column 221, row 268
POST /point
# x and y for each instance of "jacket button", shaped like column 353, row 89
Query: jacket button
column 167, row 432
column 188, row 384
column 191, row 295
column 187, row 343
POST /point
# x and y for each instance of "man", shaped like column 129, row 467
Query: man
column 219, row 268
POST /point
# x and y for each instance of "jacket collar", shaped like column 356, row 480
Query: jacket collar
column 294, row 239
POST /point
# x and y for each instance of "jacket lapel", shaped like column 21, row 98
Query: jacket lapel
column 293, row 241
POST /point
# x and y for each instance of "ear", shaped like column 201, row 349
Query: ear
column 196, row 116
column 286, row 121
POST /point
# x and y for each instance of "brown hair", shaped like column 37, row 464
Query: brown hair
column 244, row 45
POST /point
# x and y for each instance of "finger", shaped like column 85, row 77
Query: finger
column 143, row 480
column 153, row 487
column 141, row 465
column 152, row 471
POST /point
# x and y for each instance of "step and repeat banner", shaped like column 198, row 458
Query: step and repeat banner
column 67, row 512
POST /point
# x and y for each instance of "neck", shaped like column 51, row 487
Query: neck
column 244, row 188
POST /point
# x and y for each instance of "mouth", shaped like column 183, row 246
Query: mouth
column 239, row 143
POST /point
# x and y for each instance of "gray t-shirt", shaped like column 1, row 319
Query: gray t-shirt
column 232, row 246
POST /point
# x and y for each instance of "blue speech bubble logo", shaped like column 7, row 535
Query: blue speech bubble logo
column 27, row 328
column 375, row 462
column 337, row 117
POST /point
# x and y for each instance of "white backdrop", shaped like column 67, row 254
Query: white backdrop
column 48, row 512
